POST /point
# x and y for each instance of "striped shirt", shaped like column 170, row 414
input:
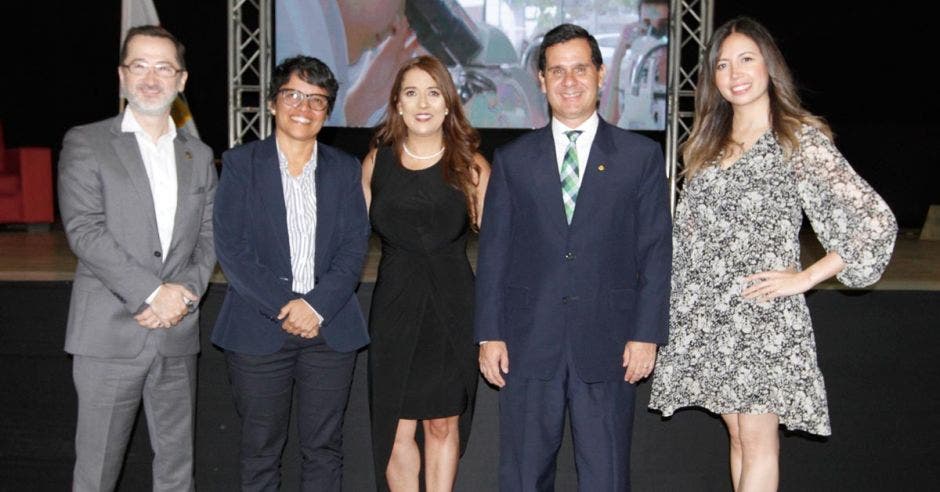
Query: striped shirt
column 300, row 200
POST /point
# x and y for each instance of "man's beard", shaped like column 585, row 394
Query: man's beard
column 156, row 108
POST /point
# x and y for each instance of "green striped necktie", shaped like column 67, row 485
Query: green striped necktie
column 569, row 174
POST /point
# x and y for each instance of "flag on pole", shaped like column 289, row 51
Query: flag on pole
column 140, row 13
column 137, row 13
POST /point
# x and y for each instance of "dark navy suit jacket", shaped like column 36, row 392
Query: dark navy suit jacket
column 251, row 241
column 593, row 285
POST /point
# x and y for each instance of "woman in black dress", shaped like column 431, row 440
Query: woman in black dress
column 424, row 182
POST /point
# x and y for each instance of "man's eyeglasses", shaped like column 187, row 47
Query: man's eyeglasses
column 164, row 70
column 294, row 98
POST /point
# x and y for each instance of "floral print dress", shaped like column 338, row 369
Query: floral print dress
column 728, row 354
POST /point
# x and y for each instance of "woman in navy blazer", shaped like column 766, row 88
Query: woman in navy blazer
column 291, row 236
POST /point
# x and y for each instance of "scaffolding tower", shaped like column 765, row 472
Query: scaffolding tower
column 690, row 28
column 249, row 69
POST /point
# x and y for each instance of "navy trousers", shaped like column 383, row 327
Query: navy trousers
column 532, row 417
column 262, row 387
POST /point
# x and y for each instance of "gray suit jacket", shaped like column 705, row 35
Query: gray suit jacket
column 108, row 215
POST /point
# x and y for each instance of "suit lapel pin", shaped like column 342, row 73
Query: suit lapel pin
column 188, row 154
column 601, row 167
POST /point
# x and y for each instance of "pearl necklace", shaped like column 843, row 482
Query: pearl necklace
column 421, row 157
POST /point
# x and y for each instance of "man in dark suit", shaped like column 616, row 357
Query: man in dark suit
column 292, row 235
column 572, row 279
column 136, row 196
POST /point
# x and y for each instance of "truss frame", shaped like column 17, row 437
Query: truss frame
column 690, row 29
column 249, row 69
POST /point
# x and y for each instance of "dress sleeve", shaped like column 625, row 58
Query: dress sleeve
column 849, row 217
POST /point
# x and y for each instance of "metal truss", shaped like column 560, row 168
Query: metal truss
column 249, row 69
column 690, row 30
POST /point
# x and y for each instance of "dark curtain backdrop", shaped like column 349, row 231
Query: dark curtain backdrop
column 861, row 65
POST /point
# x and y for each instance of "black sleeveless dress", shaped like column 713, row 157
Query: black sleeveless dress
column 422, row 359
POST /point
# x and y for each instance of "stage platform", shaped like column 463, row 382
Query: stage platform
column 877, row 348
column 45, row 256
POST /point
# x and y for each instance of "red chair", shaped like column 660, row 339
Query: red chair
column 25, row 184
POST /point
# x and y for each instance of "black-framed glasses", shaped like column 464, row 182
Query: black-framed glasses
column 294, row 98
column 164, row 70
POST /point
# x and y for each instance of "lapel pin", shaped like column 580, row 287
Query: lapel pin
column 188, row 154
column 601, row 167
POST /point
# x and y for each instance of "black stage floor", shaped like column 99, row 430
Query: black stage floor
column 879, row 351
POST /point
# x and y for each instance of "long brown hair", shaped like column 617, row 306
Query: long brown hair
column 711, row 130
column 461, row 140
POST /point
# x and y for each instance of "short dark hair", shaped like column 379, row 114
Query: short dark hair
column 564, row 33
column 155, row 32
column 311, row 70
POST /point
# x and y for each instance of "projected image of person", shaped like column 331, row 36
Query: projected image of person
column 424, row 182
column 741, row 342
column 363, row 41
column 291, row 236
column 634, row 95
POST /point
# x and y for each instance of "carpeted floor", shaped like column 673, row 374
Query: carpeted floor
column 878, row 350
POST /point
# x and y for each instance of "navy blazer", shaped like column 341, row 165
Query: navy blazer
column 593, row 285
column 251, row 242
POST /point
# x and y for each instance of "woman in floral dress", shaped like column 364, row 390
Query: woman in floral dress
column 741, row 342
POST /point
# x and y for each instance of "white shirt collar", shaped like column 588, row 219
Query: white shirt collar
column 130, row 124
column 589, row 127
column 585, row 140
column 282, row 158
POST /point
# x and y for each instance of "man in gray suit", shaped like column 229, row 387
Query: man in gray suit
column 136, row 199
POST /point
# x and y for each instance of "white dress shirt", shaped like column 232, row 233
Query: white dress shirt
column 583, row 145
column 160, row 163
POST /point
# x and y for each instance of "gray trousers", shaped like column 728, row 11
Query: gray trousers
column 109, row 394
